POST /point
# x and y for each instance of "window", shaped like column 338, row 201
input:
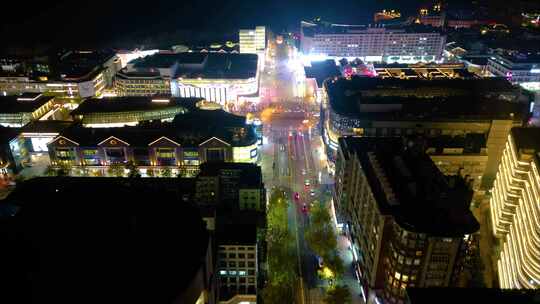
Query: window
column 232, row 255
column 92, row 152
column 223, row 272
column 416, row 261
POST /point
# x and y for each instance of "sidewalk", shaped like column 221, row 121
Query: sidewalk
column 349, row 278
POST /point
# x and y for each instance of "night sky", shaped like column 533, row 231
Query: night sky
column 105, row 22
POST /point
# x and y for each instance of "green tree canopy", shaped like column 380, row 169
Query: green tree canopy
column 338, row 295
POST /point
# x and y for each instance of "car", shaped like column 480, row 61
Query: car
column 303, row 171
column 282, row 148
column 296, row 196
column 304, row 208
column 312, row 193
column 307, row 183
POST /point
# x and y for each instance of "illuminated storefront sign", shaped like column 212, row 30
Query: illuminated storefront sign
column 245, row 154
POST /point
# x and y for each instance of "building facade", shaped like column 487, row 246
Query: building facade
column 223, row 78
column 401, row 233
column 450, row 107
column 19, row 110
column 157, row 148
column 373, row 44
column 252, row 41
column 74, row 74
column 517, row 69
column 515, row 210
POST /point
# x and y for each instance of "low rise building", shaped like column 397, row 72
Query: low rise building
column 72, row 74
column 130, row 111
column 219, row 77
column 406, row 220
column 515, row 209
column 19, row 110
column 179, row 146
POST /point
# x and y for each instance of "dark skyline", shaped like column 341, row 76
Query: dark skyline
column 102, row 22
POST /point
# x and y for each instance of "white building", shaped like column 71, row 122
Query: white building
column 520, row 69
column 373, row 44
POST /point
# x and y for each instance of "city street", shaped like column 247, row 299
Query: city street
column 293, row 159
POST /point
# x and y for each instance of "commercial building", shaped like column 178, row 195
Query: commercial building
column 519, row 69
column 403, row 44
column 104, row 238
column 181, row 145
column 71, row 74
column 395, row 107
column 407, row 221
column 225, row 78
column 130, row 111
column 515, row 210
column 18, row 110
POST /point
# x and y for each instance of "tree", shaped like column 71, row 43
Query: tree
column 320, row 234
column 116, row 170
column 50, row 171
column 167, row 172
column 338, row 295
column 280, row 251
column 133, row 169
column 150, row 172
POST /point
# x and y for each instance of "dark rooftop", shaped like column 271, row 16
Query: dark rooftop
column 418, row 99
column 75, row 65
column 526, row 138
column 485, row 295
column 189, row 129
column 250, row 174
column 7, row 134
column 24, row 103
column 322, row 70
column 204, row 65
column 328, row 28
column 46, row 126
column 237, row 234
column 99, row 238
column 131, row 103
column 407, row 185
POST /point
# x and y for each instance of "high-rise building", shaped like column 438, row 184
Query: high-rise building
column 407, row 221
column 515, row 210
column 404, row 44
column 395, row 107
column 252, row 41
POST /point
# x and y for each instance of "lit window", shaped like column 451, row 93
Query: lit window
column 242, row 273
column 232, row 272
column 223, row 272
column 405, row 278
column 397, row 275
